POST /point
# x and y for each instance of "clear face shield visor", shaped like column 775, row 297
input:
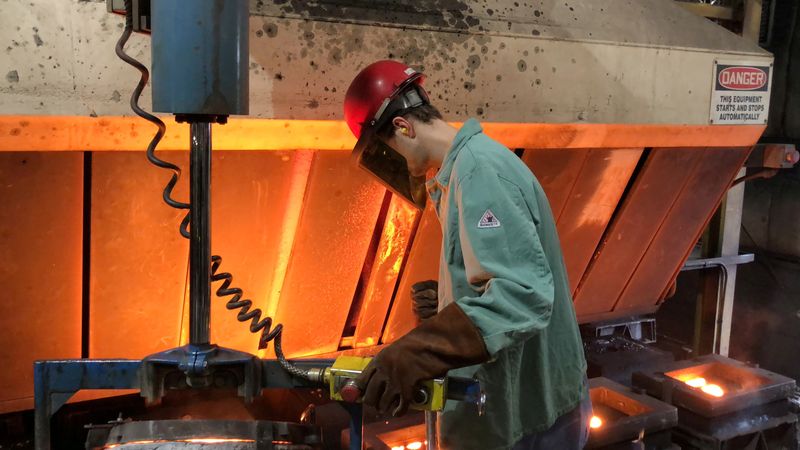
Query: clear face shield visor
column 383, row 162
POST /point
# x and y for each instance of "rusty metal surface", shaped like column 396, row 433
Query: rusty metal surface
column 338, row 217
column 556, row 170
column 423, row 264
column 655, row 189
column 41, row 230
column 138, row 259
column 590, row 203
column 390, row 257
column 682, row 227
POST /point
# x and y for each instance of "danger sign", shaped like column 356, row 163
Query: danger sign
column 741, row 93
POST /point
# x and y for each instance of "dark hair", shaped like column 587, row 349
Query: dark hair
column 424, row 113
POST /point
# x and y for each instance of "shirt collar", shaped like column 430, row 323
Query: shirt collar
column 470, row 128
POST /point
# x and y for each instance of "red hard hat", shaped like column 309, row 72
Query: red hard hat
column 377, row 94
column 373, row 89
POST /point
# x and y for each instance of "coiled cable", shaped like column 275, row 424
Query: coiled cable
column 257, row 324
column 236, row 302
column 134, row 102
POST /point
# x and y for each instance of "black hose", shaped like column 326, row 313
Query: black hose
column 764, row 173
column 151, row 147
column 245, row 314
column 287, row 365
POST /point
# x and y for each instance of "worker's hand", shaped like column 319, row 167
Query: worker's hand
column 387, row 383
column 425, row 295
column 446, row 341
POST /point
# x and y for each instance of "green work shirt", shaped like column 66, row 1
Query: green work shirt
column 501, row 262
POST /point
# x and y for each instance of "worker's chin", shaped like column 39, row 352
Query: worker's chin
column 417, row 173
column 417, row 170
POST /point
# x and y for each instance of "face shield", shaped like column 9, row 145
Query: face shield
column 382, row 161
column 391, row 169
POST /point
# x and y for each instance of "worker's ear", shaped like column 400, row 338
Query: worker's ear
column 403, row 126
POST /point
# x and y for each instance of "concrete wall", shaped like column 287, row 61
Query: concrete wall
column 498, row 60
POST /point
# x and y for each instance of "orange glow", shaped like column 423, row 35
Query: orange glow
column 713, row 390
column 696, row 382
column 131, row 443
column 595, row 422
column 80, row 133
column 422, row 265
column 188, row 441
column 401, row 216
column 414, row 445
column 301, row 168
column 399, row 447
column 391, row 252
column 183, row 337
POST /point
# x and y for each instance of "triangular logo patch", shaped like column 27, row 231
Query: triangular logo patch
column 488, row 220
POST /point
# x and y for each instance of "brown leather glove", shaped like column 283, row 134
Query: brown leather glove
column 425, row 295
column 448, row 340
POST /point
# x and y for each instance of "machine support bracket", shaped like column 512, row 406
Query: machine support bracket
column 56, row 381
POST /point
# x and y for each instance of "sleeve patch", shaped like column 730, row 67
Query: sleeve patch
column 488, row 220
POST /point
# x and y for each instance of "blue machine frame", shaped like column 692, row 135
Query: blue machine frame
column 56, row 381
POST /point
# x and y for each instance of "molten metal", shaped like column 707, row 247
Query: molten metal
column 595, row 422
column 711, row 389
column 696, row 382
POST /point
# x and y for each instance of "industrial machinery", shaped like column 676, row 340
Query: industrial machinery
column 200, row 76
column 723, row 403
column 627, row 116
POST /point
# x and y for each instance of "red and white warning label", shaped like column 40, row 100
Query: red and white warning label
column 740, row 95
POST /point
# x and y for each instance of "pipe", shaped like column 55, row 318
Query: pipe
column 430, row 430
column 200, row 235
column 765, row 173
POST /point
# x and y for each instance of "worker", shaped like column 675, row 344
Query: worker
column 505, row 313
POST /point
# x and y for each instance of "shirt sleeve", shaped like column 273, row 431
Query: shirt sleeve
column 504, row 260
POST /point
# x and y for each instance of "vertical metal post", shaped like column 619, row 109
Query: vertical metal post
column 41, row 399
column 710, row 292
column 356, row 411
column 430, row 430
column 200, row 232
column 725, row 232
column 751, row 23
column 734, row 204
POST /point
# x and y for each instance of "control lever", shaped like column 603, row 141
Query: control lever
column 430, row 396
column 421, row 397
